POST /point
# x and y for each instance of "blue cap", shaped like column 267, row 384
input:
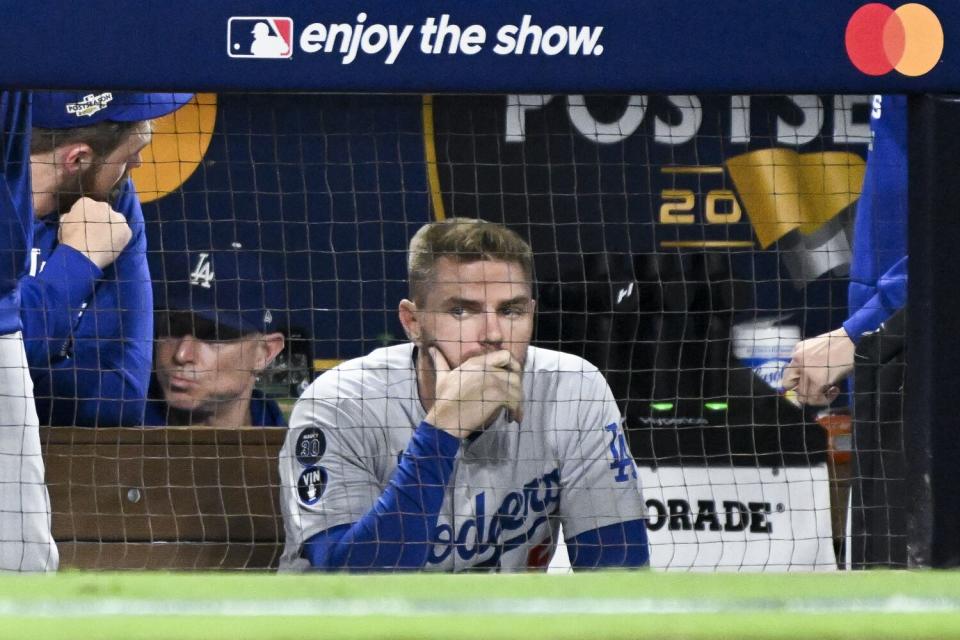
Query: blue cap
column 69, row 109
column 234, row 288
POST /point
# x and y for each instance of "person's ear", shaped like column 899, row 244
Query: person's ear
column 410, row 320
column 72, row 159
column 271, row 344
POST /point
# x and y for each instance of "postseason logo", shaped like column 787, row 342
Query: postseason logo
column 90, row 105
column 259, row 37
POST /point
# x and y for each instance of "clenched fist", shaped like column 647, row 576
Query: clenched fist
column 96, row 230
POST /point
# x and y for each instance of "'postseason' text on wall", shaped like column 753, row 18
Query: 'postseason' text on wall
column 442, row 36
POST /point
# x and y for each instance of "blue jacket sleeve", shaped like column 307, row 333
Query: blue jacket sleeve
column 889, row 295
column 16, row 212
column 104, row 380
column 50, row 302
column 395, row 533
column 878, row 272
column 621, row 545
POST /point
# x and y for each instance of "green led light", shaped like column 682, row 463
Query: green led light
column 661, row 406
column 716, row 406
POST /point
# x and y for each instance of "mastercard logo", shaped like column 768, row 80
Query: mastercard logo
column 908, row 39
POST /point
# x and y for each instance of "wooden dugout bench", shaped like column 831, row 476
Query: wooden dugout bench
column 171, row 498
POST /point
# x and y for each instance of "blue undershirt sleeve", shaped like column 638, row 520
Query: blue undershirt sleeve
column 621, row 545
column 395, row 534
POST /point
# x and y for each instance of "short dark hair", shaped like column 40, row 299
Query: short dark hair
column 462, row 240
column 102, row 137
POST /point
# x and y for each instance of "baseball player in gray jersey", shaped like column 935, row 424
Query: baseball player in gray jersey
column 466, row 448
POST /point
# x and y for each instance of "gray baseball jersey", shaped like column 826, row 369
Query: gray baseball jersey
column 512, row 485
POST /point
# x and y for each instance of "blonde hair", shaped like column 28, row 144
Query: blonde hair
column 462, row 240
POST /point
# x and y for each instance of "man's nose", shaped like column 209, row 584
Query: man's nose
column 186, row 349
column 492, row 328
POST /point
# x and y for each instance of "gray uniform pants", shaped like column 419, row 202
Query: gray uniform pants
column 26, row 543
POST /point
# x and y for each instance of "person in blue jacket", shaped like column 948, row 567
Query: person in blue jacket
column 26, row 543
column 216, row 332
column 87, row 301
column 878, row 275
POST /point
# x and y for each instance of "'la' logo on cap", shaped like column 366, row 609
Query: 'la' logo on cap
column 202, row 274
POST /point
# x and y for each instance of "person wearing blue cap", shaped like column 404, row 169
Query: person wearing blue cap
column 26, row 542
column 215, row 334
column 87, row 304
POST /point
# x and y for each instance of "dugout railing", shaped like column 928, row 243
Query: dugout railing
column 173, row 498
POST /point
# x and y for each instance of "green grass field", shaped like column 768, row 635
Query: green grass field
column 604, row 605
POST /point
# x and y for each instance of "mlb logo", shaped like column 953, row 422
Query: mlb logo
column 259, row 37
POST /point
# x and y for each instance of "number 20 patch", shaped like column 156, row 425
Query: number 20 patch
column 621, row 454
column 311, row 445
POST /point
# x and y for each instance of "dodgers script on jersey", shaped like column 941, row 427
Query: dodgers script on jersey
column 512, row 485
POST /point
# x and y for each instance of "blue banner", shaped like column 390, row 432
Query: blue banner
column 748, row 46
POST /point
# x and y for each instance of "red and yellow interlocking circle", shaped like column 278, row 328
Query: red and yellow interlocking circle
column 880, row 39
